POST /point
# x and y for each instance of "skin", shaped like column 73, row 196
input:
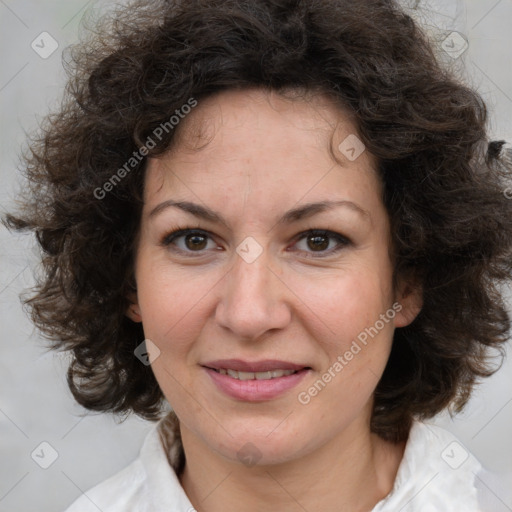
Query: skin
column 251, row 156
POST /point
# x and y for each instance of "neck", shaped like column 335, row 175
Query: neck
column 352, row 472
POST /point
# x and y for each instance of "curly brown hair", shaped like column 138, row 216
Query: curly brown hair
column 443, row 182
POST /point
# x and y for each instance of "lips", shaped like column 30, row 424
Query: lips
column 257, row 366
column 271, row 374
column 255, row 381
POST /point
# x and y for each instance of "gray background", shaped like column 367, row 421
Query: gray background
column 35, row 404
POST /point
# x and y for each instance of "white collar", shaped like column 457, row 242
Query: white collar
column 436, row 472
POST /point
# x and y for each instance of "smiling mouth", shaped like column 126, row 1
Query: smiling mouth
column 268, row 375
column 271, row 380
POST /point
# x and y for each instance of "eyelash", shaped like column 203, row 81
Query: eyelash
column 179, row 232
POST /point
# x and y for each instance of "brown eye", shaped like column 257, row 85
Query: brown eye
column 318, row 242
column 195, row 241
column 321, row 242
column 188, row 241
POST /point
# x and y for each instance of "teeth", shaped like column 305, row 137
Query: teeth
column 273, row 374
column 245, row 375
column 264, row 375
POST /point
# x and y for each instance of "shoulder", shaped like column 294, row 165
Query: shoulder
column 149, row 484
column 465, row 478
column 121, row 492
column 437, row 472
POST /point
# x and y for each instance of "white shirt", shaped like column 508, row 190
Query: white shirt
column 436, row 474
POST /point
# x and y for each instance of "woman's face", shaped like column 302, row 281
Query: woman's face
column 254, row 289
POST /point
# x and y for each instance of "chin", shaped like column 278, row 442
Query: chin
column 257, row 443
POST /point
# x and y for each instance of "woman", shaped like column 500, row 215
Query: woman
column 285, row 220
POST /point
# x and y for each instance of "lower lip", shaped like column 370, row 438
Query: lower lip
column 256, row 390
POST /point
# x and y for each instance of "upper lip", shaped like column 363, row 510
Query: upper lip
column 253, row 366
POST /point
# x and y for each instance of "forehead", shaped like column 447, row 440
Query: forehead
column 262, row 147
column 261, row 110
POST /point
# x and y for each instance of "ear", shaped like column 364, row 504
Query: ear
column 133, row 310
column 409, row 297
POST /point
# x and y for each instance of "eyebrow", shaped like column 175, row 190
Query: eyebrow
column 291, row 216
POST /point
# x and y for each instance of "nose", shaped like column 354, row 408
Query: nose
column 253, row 299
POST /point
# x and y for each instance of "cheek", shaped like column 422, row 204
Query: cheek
column 357, row 345
column 347, row 303
column 171, row 305
column 355, row 340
